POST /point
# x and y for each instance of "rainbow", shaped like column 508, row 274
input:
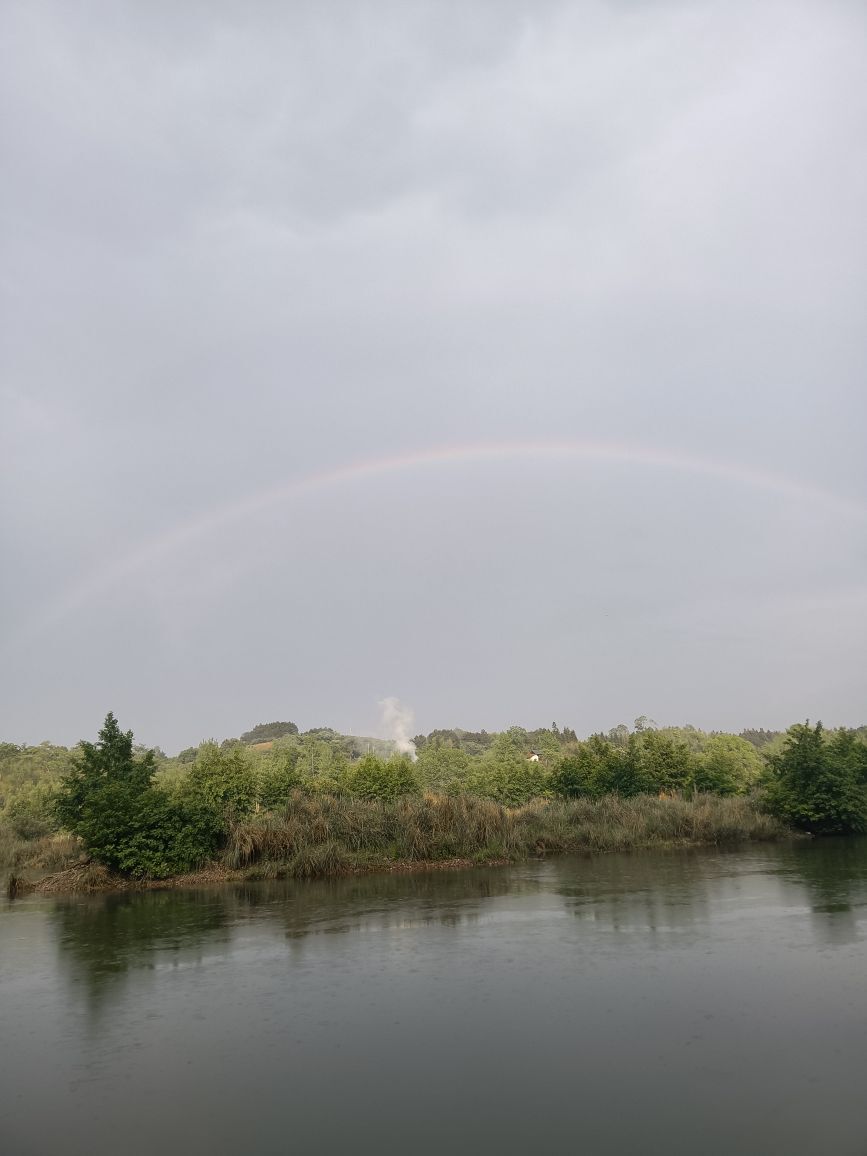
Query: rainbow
column 608, row 453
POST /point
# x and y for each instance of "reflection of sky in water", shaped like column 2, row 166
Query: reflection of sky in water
column 722, row 989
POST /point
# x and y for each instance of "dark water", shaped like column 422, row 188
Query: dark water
column 684, row 1002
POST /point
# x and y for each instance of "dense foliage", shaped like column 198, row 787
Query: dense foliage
column 818, row 783
column 148, row 815
column 267, row 732
column 109, row 801
column 388, row 779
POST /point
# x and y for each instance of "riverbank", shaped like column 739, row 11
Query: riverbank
column 92, row 878
column 316, row 836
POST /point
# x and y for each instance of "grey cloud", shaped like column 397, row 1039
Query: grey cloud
column 249, row 242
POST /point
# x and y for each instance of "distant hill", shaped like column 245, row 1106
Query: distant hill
column 267, row 732
column 263, row 736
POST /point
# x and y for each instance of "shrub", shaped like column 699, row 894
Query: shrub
column 509, row 780
column 577, row 775
column 816, row 784
column 384, row 779
column 32, row 812
column 222, row 781
column 278, row 776
column 728, row 765
column 442, row 768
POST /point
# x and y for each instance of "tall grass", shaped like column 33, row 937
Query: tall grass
column 319, row 835
column 47, row 853
column 326, row 835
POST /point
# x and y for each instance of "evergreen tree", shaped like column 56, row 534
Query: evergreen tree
column 577, row 775
column 108, row 799
column 100, row 800
column 815, row 784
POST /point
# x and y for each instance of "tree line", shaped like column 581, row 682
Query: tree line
column 140, row 812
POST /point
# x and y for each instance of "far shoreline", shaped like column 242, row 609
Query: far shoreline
column 90, row 878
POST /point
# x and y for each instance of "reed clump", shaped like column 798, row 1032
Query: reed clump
column 46, row 853
column 317, row 835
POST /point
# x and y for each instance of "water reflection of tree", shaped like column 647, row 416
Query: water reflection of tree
column 835, row 874
column 668, row 891
column 101, row 939
column 651, row 892
column 446, row 898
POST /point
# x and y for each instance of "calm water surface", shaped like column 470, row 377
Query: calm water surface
column 681, row 1002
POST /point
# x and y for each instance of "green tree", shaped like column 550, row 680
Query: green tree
column 662, row 763
column 815, row 783
column 267, row 732
column 511, row 743
column 278, row 776
column 24, row 767
column 442, row 768
column 577, row 775
column 32, row 811
column 322, row 759
column 847, row 754
column 101, row 799
column 758, row 738
column 607, row 766
column 508, row 778
column 108, row 799
column 223, row 780
column 386, row 779
column 618, row 735
column 728, row 765
column 643, row 723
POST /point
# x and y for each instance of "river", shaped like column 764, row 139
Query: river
column 672, row 1002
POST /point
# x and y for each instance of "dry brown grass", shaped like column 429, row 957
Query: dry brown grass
column 48, row 853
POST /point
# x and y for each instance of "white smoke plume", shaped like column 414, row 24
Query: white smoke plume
column 397, row 723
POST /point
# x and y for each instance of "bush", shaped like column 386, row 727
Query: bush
column 174, row 835
column 728, row 765
column 32, row 812
column 278, row 777
column 222, row 781
column 654, row 762
column 577, row 775
column 817, row 785
column 508, row 780
column 384, row 779
column 442, row 768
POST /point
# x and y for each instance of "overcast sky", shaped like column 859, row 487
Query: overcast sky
column 251, row 243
